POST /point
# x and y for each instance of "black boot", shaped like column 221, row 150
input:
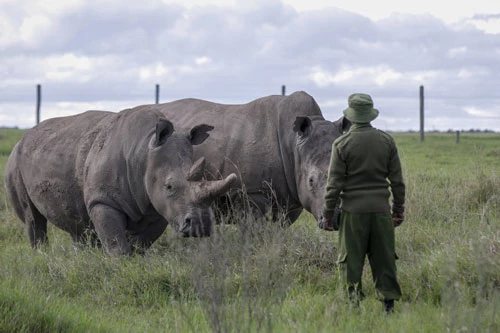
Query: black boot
column 389, row 306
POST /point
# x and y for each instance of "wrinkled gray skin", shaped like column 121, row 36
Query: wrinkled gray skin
column 278, row 142
column 125, row 175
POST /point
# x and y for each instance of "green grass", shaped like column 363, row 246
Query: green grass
column 262, row 278
column 8, row 138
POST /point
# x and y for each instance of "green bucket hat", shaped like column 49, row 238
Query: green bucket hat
column 360, row 109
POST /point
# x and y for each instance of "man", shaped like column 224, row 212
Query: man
column 364, row 165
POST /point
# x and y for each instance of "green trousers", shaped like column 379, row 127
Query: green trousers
column 372, row 235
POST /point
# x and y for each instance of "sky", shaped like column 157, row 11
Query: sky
column 110, row 55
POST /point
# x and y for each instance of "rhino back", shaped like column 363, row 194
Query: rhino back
column 46, row 165
column 244, row 139
column 254, row 140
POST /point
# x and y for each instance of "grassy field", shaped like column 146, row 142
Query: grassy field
column 249, row 278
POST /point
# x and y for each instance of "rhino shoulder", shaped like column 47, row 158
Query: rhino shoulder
column 299, row 103
column 301, row 95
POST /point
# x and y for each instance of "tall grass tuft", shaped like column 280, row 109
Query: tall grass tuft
column 258, row 276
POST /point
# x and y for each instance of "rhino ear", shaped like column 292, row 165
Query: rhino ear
column 199, row 134
column 346, row 124
column 342, row 124
column 302, row 126
column 164, row 129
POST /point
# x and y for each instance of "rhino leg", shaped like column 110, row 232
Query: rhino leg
column 110, row 226
column 87, row 236
column 36, row 226
column 291, row 216
column 35, row 222
column 144, row 239
column 259, row 204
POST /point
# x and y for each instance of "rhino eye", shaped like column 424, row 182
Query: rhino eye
column 169, row 187
column 311, row 180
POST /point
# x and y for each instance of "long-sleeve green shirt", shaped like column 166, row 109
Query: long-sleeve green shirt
column 364, row 164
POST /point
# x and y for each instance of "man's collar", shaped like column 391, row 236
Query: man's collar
column 361, row 125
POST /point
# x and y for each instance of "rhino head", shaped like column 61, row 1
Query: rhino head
column 174, row 183
column 314, row 139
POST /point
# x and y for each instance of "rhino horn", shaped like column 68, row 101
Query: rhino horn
column 197, row 170
column 209, row 190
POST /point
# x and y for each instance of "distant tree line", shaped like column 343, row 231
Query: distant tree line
column 472, row 130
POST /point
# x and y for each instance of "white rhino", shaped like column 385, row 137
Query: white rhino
column 125, row 175
column 279, row 146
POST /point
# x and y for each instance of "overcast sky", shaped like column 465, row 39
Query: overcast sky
column 109, row 55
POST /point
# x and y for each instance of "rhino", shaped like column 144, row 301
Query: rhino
column 279, row 146
column 120, row 176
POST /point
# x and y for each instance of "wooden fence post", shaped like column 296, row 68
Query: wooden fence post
column 421, row 113
column 157, row 99
column 38, row 102
column 457, row 137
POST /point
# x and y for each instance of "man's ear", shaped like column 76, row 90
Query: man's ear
column 199, row 134
column 164, row 129
column 302, row 126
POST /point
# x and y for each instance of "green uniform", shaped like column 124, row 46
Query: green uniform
column 364, row 164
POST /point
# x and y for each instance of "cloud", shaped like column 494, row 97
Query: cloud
column 68, row 67
column 93, row 54
column 32, row 27
column 483, row 113
column 456, row 51
column 379, row 76
column 488, row 23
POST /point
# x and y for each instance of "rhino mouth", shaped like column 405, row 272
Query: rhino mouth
column 194, row 227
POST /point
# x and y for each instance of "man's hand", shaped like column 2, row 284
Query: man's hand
column 326, row 224
column 397, row 219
